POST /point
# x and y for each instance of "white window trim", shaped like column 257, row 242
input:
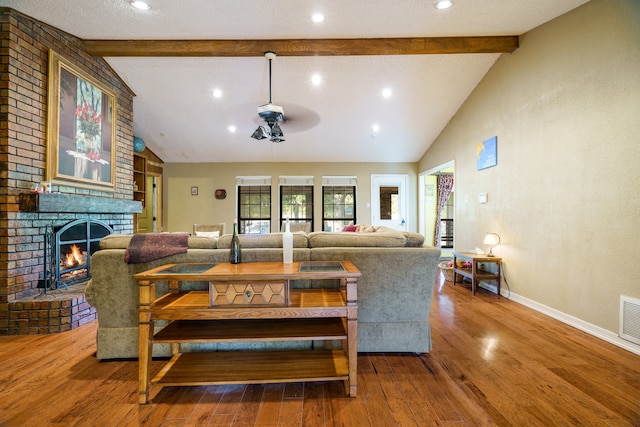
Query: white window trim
column 253, row 180
column 337, row 181
column 296, row 180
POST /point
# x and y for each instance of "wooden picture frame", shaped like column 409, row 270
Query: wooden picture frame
column 81, row 131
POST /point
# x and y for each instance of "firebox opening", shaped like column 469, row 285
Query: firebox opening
column 73, row 263
column 72, row 248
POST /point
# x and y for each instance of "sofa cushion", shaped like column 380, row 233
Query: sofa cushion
column 270, row 240
column 215, row 234
column 388, row 239
column 414, row 240
column 121, row 241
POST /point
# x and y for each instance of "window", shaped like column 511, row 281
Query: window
column 446, row 233
column 338, row 202
column 254, row 205
column 446, row 224
column 296, row 199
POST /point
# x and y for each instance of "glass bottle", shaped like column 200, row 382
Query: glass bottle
column 287, row 245
column 234, row 254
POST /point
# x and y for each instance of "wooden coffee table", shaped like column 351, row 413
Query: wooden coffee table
column 250, row 302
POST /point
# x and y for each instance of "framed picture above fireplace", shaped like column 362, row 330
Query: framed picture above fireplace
column 81, row 128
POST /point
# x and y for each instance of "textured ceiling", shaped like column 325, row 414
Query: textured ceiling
column 179, row 119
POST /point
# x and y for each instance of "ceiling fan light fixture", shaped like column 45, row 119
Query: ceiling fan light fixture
column 270, row 113
column 276, row 131
column 260, row 133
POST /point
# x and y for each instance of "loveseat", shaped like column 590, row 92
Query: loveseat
column 394, row 291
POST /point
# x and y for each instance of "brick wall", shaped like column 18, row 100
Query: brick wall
column 24, row 52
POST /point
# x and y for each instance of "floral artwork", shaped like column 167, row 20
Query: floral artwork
column 88, row 129
column 82, row 129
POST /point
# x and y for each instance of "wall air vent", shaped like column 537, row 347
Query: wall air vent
column 630, row 319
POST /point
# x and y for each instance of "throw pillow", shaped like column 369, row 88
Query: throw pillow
column 350, row 228
column 363, row 228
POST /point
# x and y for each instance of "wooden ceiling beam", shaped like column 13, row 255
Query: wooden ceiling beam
column 303, row 47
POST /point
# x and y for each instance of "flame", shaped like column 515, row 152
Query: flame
column 74, row 258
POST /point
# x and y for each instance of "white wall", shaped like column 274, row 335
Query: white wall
column 565, row 194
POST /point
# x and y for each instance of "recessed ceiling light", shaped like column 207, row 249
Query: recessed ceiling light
column 444, row 4
column 317, row 18
column 232, row 129
column 217, row 93
column 386, row 92
column 316, row 79
column 375, row 129
column 140, row 5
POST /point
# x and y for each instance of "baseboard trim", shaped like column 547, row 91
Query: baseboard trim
column 589, row 328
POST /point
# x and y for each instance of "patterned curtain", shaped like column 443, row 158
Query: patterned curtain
column 445, row 184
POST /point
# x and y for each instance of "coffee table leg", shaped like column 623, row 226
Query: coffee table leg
column 145, row 341
column 352, row 330
column 144, row 362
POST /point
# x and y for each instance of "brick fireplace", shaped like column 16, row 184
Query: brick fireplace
column 62, row 307
column 26, row 215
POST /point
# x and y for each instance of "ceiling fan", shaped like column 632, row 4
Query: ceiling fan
column 270, row 113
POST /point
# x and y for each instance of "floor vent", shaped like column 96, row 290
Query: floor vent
column 630, row 319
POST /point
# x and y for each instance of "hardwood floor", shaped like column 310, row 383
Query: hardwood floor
column 494, row 362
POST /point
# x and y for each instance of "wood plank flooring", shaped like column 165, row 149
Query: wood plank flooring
column 494, row 362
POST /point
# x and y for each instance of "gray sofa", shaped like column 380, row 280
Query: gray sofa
column 394, row 291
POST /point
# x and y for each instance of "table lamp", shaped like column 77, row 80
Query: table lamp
column 491, row 239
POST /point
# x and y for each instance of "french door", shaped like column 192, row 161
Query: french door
column 389, row 200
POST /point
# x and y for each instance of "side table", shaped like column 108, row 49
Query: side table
column 475, row 273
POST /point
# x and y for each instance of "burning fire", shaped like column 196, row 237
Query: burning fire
column 74, row 258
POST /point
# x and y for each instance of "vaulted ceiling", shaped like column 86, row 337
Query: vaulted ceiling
column 175, row 54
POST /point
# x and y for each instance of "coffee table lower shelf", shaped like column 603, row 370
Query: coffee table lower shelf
column 253, row 367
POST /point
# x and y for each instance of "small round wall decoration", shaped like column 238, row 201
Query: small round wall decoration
column 221, row 194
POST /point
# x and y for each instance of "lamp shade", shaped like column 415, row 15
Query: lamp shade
column 491, row 239
column 276, row 131
column 260, row 133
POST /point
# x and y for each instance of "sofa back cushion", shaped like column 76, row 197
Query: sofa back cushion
column 271, row 240
column 387, row 239
column 121, row 241
column 414, row 240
